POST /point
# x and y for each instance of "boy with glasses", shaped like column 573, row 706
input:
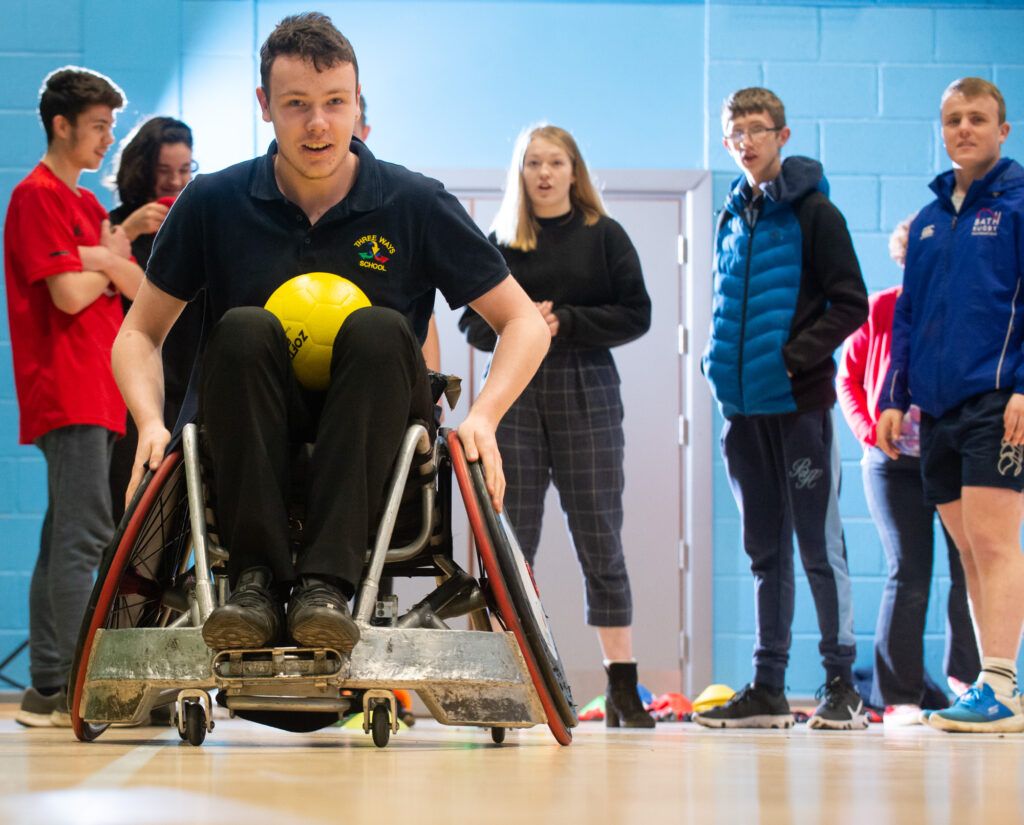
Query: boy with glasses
column 958, row 349
column 788, row 291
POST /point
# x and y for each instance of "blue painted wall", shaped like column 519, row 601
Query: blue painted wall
column 450, row 84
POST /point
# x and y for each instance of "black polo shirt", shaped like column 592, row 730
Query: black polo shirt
column 397, row 234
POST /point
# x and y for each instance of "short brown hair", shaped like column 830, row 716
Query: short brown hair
column 71, row 90
column 311, row 36
column 750, row 101
column 975, row 87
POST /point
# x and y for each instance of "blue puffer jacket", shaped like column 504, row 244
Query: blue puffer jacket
column 959, row 324
column 788, row 290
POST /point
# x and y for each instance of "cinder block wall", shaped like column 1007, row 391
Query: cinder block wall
column 861, row 83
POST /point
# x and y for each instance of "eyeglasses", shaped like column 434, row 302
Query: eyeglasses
column 753, row 134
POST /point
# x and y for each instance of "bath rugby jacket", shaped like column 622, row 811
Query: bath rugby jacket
column 959, row 325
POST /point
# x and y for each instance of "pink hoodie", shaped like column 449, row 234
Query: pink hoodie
column 864, row 364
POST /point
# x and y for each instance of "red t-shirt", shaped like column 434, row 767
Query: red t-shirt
column 61, row 362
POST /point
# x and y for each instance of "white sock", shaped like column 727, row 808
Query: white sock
column 999, row 674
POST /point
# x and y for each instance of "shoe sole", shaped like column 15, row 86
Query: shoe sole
column 29, row 719
column 228, row 632
column 1011, row 724
column 60, row 719
column 817, row 723
column 764, row 722
column 323, row 629
column 894, row 724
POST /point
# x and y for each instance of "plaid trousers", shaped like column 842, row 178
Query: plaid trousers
column 567, row 427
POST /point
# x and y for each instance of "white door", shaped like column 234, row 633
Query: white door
column 654, row 385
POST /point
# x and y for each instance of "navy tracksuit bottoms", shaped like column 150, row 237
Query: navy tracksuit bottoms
column 784, row 471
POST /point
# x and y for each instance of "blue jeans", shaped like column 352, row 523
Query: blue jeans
column 906, row 526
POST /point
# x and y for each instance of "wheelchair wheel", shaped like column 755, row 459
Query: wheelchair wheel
column 380, row 725
column 195, row 723
column 142, row 580
column 518, row 605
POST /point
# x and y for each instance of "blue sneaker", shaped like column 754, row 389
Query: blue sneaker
column 980, row 710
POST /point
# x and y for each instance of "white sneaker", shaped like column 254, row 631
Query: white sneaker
column 901, row 716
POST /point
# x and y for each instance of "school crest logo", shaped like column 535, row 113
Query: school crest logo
column 374, row 252
column 927, row 232
column 986, row 223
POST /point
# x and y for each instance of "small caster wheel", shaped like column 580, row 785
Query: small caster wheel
column 497, row 735
column 195, row 723
column 380, row 725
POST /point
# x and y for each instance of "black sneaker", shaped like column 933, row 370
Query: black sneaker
column 752, row 707
column 250, row 618
column 318, row 616
column 841, row 707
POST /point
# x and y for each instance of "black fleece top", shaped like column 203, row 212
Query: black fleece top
column 592, row 276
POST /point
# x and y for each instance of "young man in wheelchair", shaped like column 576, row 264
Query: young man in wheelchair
column 312, row 203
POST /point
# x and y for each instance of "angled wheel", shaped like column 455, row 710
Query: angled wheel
column 143, row 578
column 515, row 594
column 380, row 725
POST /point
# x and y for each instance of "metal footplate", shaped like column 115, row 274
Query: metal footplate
column 236, row 668
column 463, row 677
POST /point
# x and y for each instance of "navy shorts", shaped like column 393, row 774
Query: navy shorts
column 965, row 448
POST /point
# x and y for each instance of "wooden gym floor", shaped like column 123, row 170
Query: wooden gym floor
column 250, row 775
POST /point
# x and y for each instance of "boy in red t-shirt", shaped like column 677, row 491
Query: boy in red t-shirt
column 65, row 269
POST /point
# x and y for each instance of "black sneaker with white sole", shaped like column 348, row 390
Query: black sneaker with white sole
column 752, row 707
column 841, row 707
column 36, row 709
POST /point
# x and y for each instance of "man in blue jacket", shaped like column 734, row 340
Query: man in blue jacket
column 957, row 350
column 788, row 291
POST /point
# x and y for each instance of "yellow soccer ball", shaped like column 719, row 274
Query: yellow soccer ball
column 312, row 308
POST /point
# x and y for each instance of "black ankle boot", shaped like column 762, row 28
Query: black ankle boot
column 622, row 705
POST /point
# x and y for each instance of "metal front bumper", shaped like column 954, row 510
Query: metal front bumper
column 463, row 677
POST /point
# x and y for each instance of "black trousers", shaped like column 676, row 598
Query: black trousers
column 253, row 410
column 906, row 526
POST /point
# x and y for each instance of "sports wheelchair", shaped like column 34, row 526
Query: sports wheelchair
column 141, row 648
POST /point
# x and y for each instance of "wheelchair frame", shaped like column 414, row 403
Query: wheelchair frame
column 141, row 645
